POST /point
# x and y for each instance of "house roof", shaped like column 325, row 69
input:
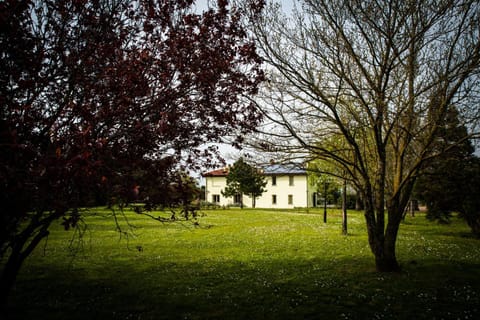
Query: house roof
column 270, row 170
column 216, row 173
column 284, row 169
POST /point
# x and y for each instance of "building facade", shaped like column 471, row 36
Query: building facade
column 287, row 187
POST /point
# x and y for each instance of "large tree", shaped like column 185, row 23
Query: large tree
column 379, row 76
column 444, row 180
column 243, row 179
column 449, row 183
column 94, row 90
column 470, row 201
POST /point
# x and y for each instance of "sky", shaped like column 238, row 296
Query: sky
column 287, row 5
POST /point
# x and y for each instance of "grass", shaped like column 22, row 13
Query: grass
column 257, row 264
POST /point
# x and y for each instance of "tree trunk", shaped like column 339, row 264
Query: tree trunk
column 474, row 224
column 8, row 277
column 382, row 241
column 387, row 261
column 15, row 260
column 383, row 247
column 344, row 208
column 324, row 203
column 385, row 258
column 359, row 201
column 22, row 246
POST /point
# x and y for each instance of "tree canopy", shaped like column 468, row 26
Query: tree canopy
column 443, row 179
column 449, row 183
column 94, row 90
column 242, row 179
column 378, row 77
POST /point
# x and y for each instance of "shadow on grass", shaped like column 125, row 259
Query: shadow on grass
column 344, row 288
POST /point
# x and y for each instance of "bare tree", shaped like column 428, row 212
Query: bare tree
column 379, row 76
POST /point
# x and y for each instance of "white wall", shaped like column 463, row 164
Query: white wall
column 282, row 190
column 214, row 186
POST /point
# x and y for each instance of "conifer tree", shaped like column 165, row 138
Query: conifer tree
column 449, row 183
column 242, row 179
column 442, row 180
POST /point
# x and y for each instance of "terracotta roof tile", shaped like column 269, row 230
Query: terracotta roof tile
column 216, row 173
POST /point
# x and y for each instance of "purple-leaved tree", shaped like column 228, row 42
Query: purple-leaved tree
column 92, row 90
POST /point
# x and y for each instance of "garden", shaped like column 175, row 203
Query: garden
column 251, row 263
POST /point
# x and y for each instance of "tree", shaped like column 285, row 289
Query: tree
column 242, row 179
column 93, row 90
column 380, row 76
column 449, row 183
column 470, row 203
column 181, row 195
column 452, row 186
column 443, row 180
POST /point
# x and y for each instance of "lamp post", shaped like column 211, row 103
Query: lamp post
column 325, row 201
column 344, row 208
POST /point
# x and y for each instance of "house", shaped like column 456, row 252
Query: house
column 287, row 187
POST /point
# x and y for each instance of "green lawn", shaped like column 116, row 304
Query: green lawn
column 249, row 264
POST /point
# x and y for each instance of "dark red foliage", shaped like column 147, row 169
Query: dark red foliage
column 93, row 90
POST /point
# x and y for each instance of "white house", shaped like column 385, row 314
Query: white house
column 287, row 187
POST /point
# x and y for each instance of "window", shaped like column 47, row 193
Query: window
column 237, row 198
column 274, row 199
column 216, row 198
column 290, row 199
column 274, row 180
column 290, row 180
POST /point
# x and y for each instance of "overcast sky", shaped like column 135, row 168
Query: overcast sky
column 201, row 5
